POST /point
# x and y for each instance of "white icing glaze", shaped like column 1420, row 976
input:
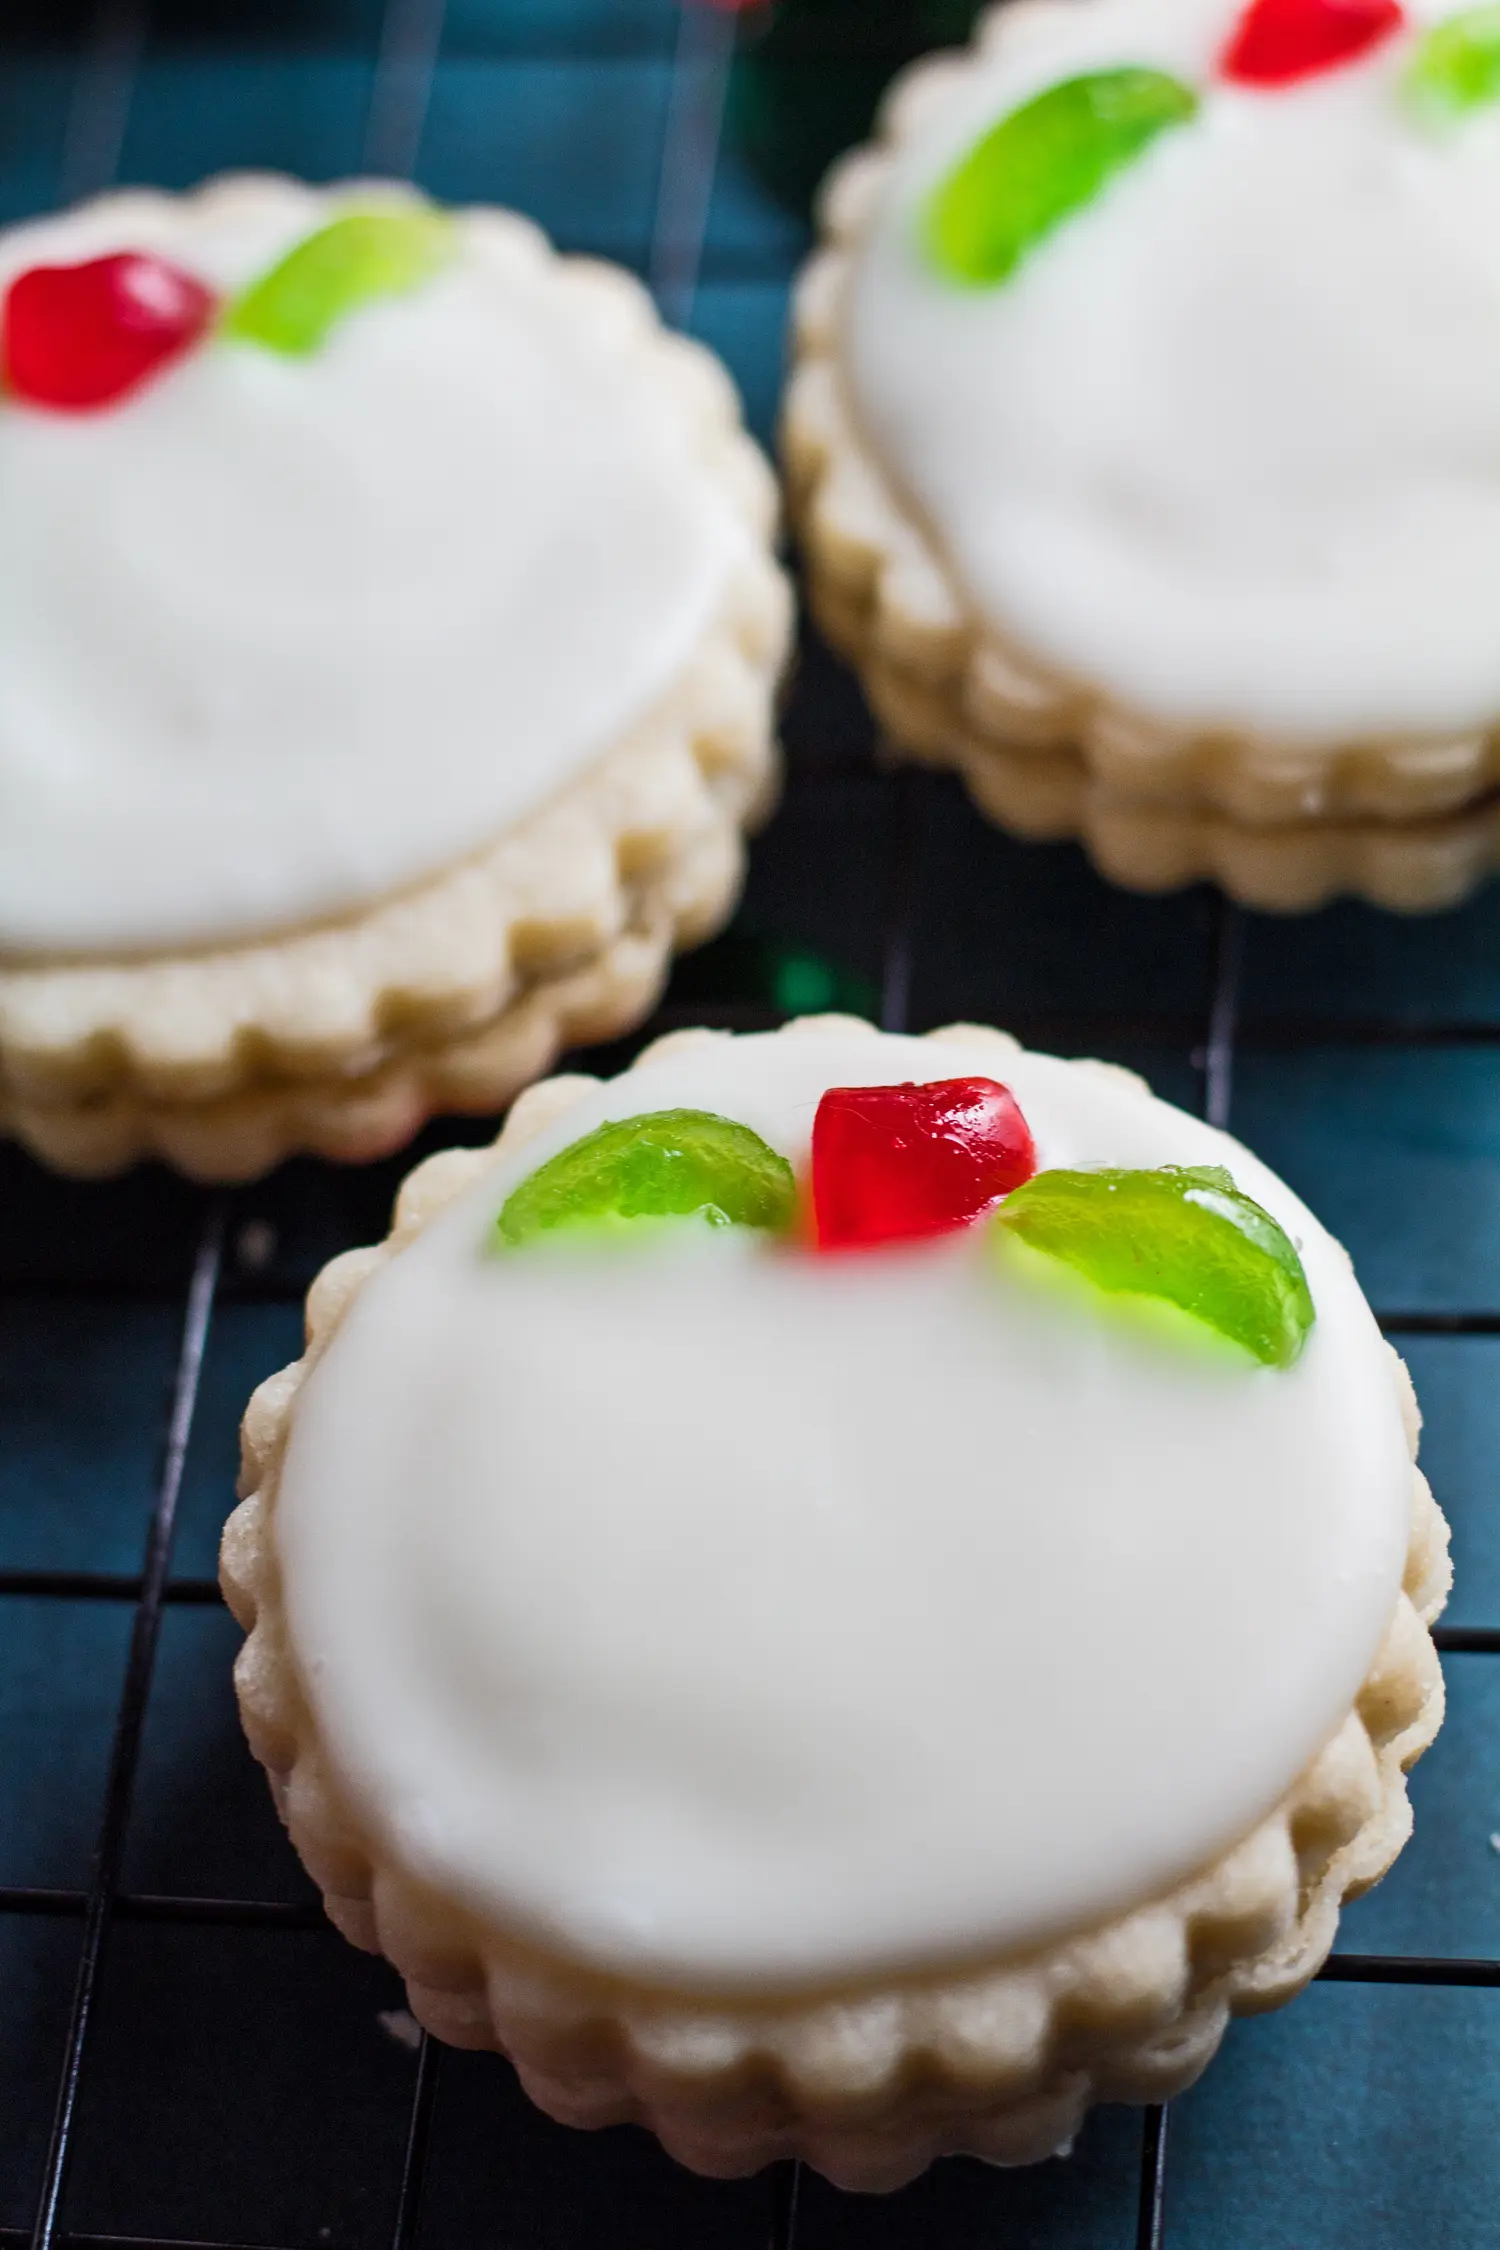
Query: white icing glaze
column 278, row 635
column 1227, row 444
column 733, row 1618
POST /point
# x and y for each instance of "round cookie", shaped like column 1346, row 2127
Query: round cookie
column 388, row 635
column 1144, row 402
column 858, row 1679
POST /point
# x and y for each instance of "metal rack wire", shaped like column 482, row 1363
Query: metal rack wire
column 1216, row 1038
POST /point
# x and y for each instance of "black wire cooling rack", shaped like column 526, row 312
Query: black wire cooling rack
column 184, row 2065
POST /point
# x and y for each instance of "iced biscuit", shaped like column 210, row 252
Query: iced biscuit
column 1143, row 403
column 867, row 1676
column 388, row 641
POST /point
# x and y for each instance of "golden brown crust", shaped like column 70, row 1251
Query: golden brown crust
column 944, row 682
column 999, row 2059
column 357, row 1119
column 1410, row 867
column 240, row 1054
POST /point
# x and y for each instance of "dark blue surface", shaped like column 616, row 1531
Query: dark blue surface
column 1398, row 1151
column 241, row 2084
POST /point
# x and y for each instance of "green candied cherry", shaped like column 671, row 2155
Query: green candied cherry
column 1043, row 162
column 1183, row 1235
column 671, row 1164
column 348, row 263
column 1457, row 64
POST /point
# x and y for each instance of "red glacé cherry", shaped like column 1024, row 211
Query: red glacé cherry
column 890, row 1163
column 1276, row 41
column 79, row 337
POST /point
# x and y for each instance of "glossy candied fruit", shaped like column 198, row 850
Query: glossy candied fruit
column 893, row 1163
column 1277, row 42
column 670, row 1164
column 1184, row 1235
column 1457, row 63
column 77, row 338
column 350, row 262
column 1042, row 163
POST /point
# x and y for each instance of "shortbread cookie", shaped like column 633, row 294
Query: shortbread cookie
column 241, row 1135
column 1290, row 867
column 874, row 1673
column 389, row 635
column 1145, row 402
